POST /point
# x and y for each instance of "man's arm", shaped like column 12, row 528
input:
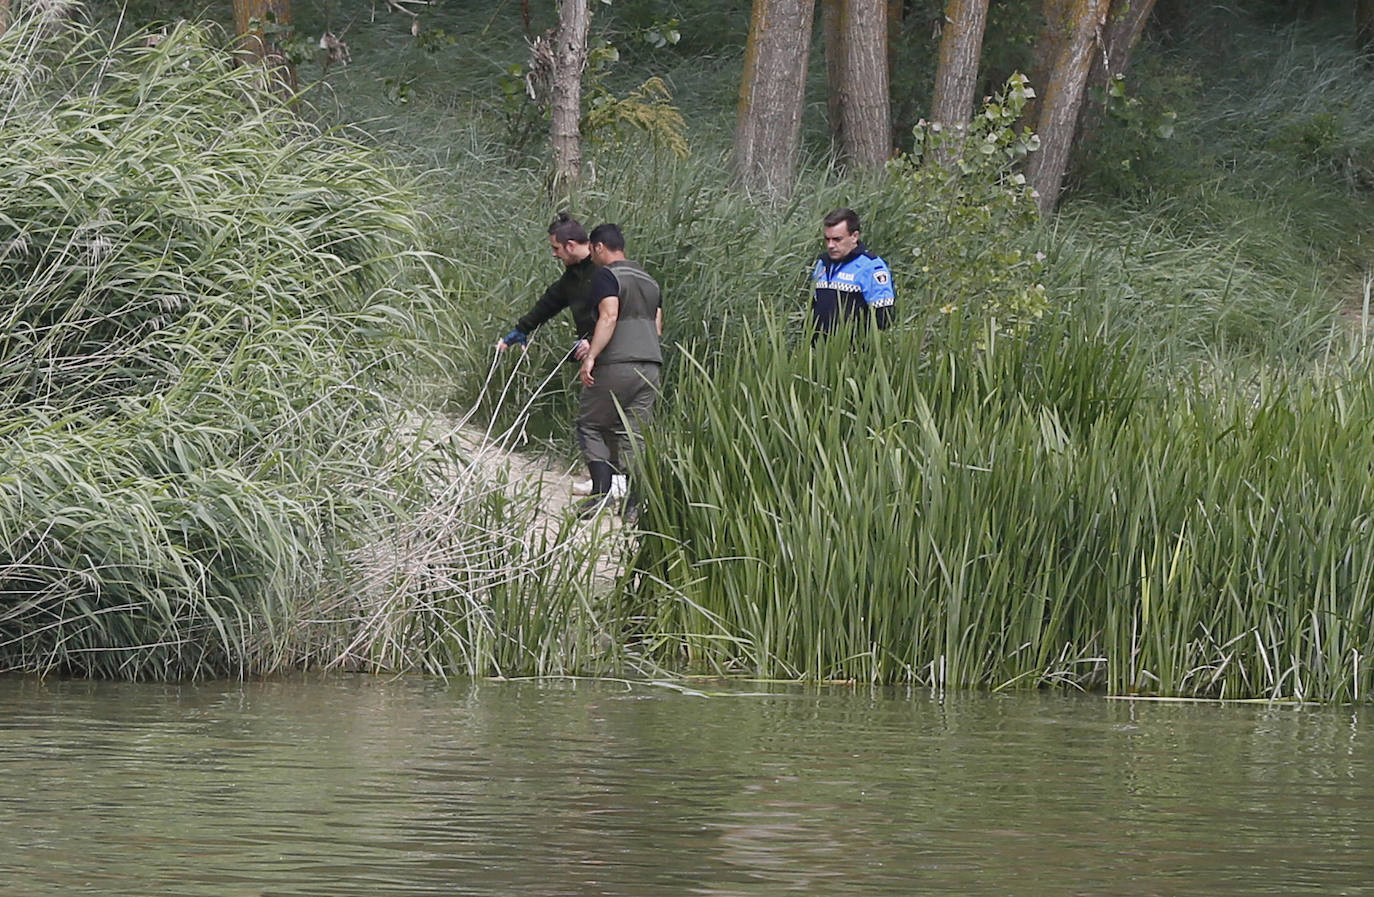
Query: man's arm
column 879, row 293
column 607, row 314
column 553, row 300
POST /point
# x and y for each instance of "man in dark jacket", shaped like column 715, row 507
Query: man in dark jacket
column 568, row 240
column 849, row 283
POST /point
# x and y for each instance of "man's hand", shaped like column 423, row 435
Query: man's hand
column 607, row 313
column 580, row 349
column 511, row 339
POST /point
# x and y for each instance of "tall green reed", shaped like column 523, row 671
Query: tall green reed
column 1033, row 512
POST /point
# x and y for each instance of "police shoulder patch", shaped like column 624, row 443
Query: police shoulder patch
column 881, row 276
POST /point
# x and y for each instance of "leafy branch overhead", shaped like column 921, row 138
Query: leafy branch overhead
column 645, row 112
column 966, row 205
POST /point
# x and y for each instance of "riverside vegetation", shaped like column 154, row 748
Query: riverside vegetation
column 1124, row 449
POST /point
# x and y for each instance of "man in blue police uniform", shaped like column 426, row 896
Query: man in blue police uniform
column 850, row 283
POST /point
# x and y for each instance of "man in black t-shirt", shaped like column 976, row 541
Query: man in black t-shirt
column 621, row 368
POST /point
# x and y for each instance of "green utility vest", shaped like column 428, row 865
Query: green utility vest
column 636, row 329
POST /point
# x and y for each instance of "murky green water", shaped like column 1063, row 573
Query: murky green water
column 360, row 786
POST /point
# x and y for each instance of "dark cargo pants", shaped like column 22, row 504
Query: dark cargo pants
column 628, row 387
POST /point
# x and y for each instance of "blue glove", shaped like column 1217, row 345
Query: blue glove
column 515, row 337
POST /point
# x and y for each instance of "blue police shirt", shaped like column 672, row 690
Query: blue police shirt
column 848, row 288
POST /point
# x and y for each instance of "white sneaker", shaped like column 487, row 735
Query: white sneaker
column 619, row 485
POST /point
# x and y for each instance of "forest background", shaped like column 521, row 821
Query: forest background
column 1119, row 444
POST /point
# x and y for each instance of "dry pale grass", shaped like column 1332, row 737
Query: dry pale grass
column 488, row 573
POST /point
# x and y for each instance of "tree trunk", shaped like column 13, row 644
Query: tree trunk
column 1364, row 25
column 956, row 78
column 1048, row 44
column 832, row 30
column 866, row 108
column 1061, row 97
column 768, row 124
column 565, row 112
column 896, row 11
column 1125, row 24
column 260, row 25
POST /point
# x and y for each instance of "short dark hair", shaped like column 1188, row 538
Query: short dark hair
column 845, row 216
column 609, row 235
column 567, row 229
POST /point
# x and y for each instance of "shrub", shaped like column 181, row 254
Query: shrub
column 965, row 211
column 205, row 304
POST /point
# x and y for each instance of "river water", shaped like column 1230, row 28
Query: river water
column 368, row 786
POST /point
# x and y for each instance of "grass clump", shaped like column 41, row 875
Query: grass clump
column 206, row 305
column 486, row 578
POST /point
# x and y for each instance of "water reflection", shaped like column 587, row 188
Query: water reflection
column 361, row 786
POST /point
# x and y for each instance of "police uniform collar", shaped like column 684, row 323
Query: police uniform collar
column 859, row 250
